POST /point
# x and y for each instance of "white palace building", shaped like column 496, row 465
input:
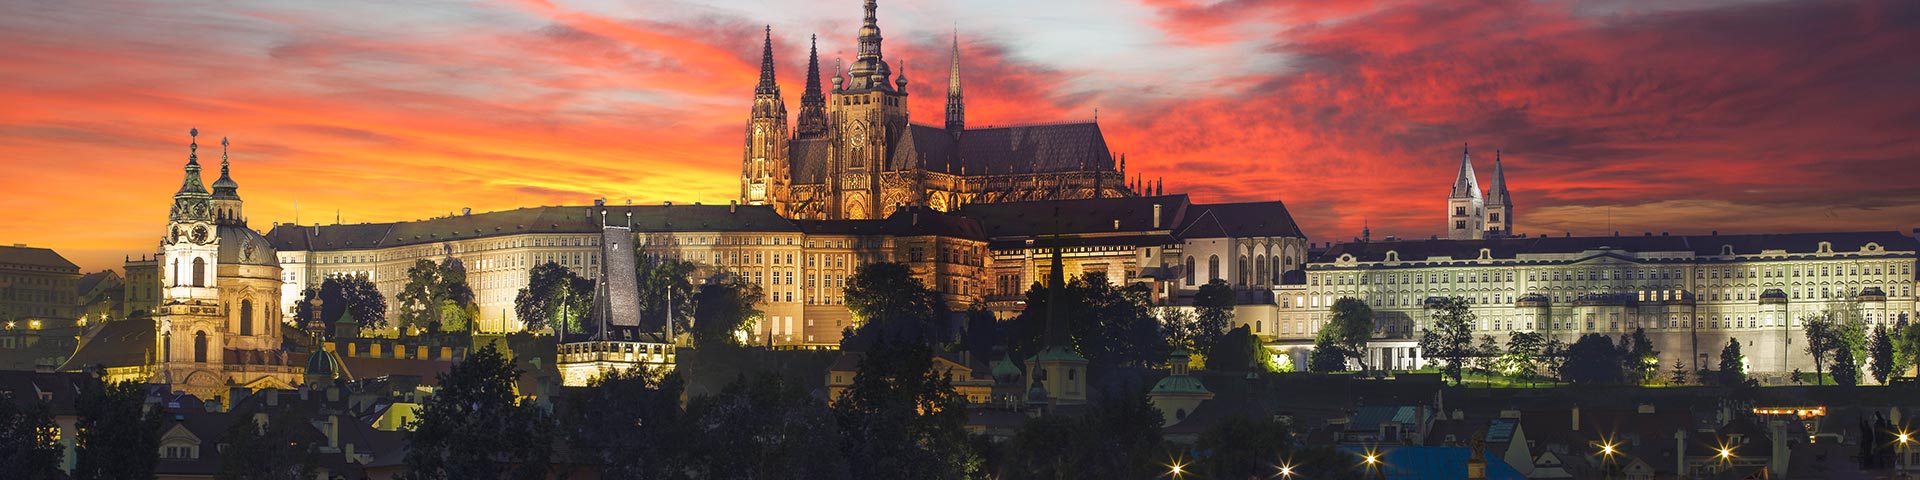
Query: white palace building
column 1690, row 292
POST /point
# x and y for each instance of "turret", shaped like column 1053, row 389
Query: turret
column 226, row 193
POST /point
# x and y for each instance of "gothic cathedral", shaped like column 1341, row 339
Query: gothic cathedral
column 853, row 154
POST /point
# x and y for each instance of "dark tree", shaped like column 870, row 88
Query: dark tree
column 1257, row 447
column 1592, row 360
column 554, row 296
column 666, row 286
column 1524, row 351
column 1043, row 449
column 1845, row 371
column 1240, row 351
column 765, row 427
column 1348, row 331
column 1880, row 348
column 1119, row 328
column 1906, row 345
column 1119, row 437
column 342, row 295
column 1733, row 371
column 1111, row 327
column 1449, row 335
column 1821, row 342
column 282, row 448
column 1243, row 448
column 1679, row 374
column 118, row 436
column 631, row 422
column 1326, row 356
column 888, row 301
column 901, row 418
column 985, row 335
column 435, row 297
column 1639, row 362
column 1486, row 356
column 29, row 440
column 475, row 427
column 1213, row 311
column 724, row 309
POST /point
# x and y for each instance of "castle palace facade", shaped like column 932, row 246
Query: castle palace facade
column 853, row 154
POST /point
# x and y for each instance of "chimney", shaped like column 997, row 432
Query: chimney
column 1680, row 454
column 1156, row 216
column 1777, row 464
column 733, row 206
column 1576, row 418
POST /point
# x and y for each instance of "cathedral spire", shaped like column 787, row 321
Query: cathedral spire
column 1497, row 193
column 1056, row 329
column 1464, row 183
column 813, row 105
column 956, row 106
column 767, row 85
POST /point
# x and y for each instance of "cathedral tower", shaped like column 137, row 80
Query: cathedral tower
column 763, row 170
column 1499, row 204
column 956, row 108
column 1466, row 208
column 813, row 105
column 866, row 116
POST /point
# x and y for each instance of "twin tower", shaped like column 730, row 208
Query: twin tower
column 853, row 154
column 1473, row 216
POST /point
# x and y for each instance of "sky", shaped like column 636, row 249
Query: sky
column 1678, row 116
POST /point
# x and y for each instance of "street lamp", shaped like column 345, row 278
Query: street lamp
column 1607, row 449
column 1286, row 470
column 1905, row 437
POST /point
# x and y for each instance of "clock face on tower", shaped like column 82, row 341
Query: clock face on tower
column 200, row 234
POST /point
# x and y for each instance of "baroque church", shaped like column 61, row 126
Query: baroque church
column 218, row 325
column 854, row 154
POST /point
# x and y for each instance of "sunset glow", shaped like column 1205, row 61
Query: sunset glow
column 1734, row 116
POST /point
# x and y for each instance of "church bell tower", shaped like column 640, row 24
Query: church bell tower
column 189, row 323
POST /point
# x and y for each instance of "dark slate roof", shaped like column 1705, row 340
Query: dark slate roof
column 1084, row 216
column 120, row 343
column 1253, row 219
column 91, row 280
column 555, row 219
column 807, row 160
column 905, row 222
column 40, row 257
column 1705, row 245
column 1062, row 147
column 1022, row 149
column 63, row 388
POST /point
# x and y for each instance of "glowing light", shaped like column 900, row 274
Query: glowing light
column 1905, row 437
column 1286, row 470
column 1606, row 449
column 1726, row 453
